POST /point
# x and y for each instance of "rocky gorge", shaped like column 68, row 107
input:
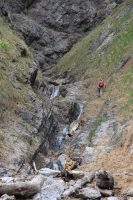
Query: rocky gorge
column 52, row 121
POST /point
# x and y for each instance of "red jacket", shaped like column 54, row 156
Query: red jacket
column 101, row 84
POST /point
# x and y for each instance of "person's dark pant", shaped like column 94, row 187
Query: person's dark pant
column 99, row 90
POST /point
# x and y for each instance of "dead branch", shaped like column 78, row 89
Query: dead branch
column 27, row 188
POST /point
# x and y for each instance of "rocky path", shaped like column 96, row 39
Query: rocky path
column 51, row 185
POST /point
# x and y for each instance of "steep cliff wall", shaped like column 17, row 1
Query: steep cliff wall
column 21, row 110
column 52, row 27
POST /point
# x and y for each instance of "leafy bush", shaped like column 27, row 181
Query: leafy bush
column 5, row 44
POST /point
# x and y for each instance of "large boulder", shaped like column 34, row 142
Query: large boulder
column 104, row 179
column 51, row 190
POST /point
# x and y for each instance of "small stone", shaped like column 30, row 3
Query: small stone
column 6, row 197
column 77, row 174
column 71, row 183
column 6, row 179
column 112, row 198
column 37, row 197
column 106, row 193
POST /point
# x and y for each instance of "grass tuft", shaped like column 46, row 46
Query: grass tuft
column 5, row 44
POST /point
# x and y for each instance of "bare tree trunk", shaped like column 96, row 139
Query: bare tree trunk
column 25, row 189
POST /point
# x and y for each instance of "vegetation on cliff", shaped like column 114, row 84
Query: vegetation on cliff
column 18, row 103
column 104, row 53
column 100, row 53
column 14, row 69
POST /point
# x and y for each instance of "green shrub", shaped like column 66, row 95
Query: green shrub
column 5, row 44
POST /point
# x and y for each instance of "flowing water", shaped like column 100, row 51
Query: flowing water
column 55, row 92
column 55, row 167
column 81, row 110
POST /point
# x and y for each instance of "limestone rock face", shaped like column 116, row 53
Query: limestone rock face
column 14, row 5
column 22, row 110
column 52, row 27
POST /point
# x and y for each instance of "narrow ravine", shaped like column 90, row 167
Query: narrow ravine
column 58, row 139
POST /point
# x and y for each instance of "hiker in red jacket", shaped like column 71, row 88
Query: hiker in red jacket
column 100, row 87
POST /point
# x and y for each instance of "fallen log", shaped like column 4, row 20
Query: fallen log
column 87, row 179
column 26, row 189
